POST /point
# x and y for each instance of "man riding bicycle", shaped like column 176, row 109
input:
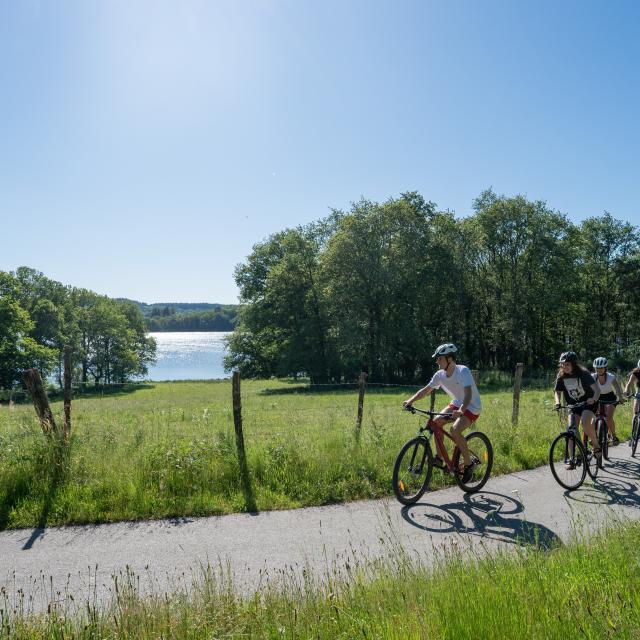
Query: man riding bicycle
column 465, row 405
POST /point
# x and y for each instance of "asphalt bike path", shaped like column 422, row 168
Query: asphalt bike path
column 44, row 566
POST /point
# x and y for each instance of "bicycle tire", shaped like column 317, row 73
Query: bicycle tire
column 411, row 481
column 483, row 452
column 560, row 455
column 593, row 463
column 602, row 432
column 635, row 435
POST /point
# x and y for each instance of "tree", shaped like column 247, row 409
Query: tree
column 18, row 351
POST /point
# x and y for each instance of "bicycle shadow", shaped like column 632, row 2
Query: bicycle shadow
column 607, row 491
column 622, row 467
column 613, row 486
column 485, row 514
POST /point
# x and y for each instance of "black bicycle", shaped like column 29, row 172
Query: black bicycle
column 635, row 426
column 570, row 460
column 602, row 430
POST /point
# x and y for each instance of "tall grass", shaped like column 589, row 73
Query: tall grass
column 168, row 450
column 587, row 589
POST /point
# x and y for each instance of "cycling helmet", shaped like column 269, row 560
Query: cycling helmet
column 599, row 362
column 638, row 364
column 569, row 356
column 444, row 350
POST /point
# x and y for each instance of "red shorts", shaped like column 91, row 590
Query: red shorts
column 472, row 417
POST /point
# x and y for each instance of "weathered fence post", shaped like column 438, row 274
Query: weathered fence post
column 242, row 458
column 362, row 383
column 516, row 393
column 67, row 391
column 474, row 373
column 433, row 399
column 40, row 401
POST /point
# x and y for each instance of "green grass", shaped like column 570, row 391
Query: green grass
column 587, row 589
column 168, row 450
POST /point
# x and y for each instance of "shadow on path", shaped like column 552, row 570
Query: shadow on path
column 484, row 515
column 59, row 456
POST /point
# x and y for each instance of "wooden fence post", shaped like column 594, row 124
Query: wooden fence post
column 433, row 399
column 242, row 458
column 67, row 391
column 516, row 393
column 474, row 373
column 362, row 383
column 40, row 401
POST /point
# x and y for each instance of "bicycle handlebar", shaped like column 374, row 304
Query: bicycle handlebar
column 411, row 409
column 578, row 405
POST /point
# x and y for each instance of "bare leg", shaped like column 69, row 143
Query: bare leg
column 587, row 426
column 611, row 425
column 458, row 427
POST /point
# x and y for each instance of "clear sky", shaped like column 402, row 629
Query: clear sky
column 146, row 146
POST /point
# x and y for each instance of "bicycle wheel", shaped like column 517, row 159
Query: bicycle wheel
column 593, row 463
column 482, row 455
column 567, row 460
column 635, row 435
column 412, row 470
column 602, row 433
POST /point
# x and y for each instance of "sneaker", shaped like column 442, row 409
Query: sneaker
column 438, row 461
column 615, row 441
column 569, row 465
column 467, row 474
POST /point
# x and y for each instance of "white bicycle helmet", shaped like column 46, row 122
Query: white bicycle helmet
column 445, row 349
column 599, row 362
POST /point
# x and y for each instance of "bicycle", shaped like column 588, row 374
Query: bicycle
column 570, row 460
column 415, row 462
column 602, row 430
column 635, row 425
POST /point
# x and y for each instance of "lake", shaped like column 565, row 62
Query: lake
column 188, row 355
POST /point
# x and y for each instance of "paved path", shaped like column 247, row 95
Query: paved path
column 527, row 506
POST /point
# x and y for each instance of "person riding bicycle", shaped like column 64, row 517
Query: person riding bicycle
column 607, row 382
column 465, row 405
column 577, row 385
column 634, row 377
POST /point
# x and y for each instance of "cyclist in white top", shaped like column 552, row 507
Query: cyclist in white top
column 607, row 382
column 465, row 405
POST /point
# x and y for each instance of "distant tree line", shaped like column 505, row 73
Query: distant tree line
column 188, row 316
column 379, row 286
column 38, row 316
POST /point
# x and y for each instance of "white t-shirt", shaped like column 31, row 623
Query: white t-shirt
column 607, row 387
column 454, row 385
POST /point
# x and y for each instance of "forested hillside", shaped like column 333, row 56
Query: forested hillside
column 380, row 285
column 187, row 316
column 38, row 316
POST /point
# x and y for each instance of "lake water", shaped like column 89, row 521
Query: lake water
column 188, row 355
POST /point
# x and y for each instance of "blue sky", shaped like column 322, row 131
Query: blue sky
column 146, row 146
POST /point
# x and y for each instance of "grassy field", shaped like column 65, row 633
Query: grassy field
column 585, row 589
column 168, row 449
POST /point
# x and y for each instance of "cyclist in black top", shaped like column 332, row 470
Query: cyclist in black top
column 634, row 378
column 577, row 385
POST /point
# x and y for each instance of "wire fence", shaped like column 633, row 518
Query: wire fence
column 485, row 379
